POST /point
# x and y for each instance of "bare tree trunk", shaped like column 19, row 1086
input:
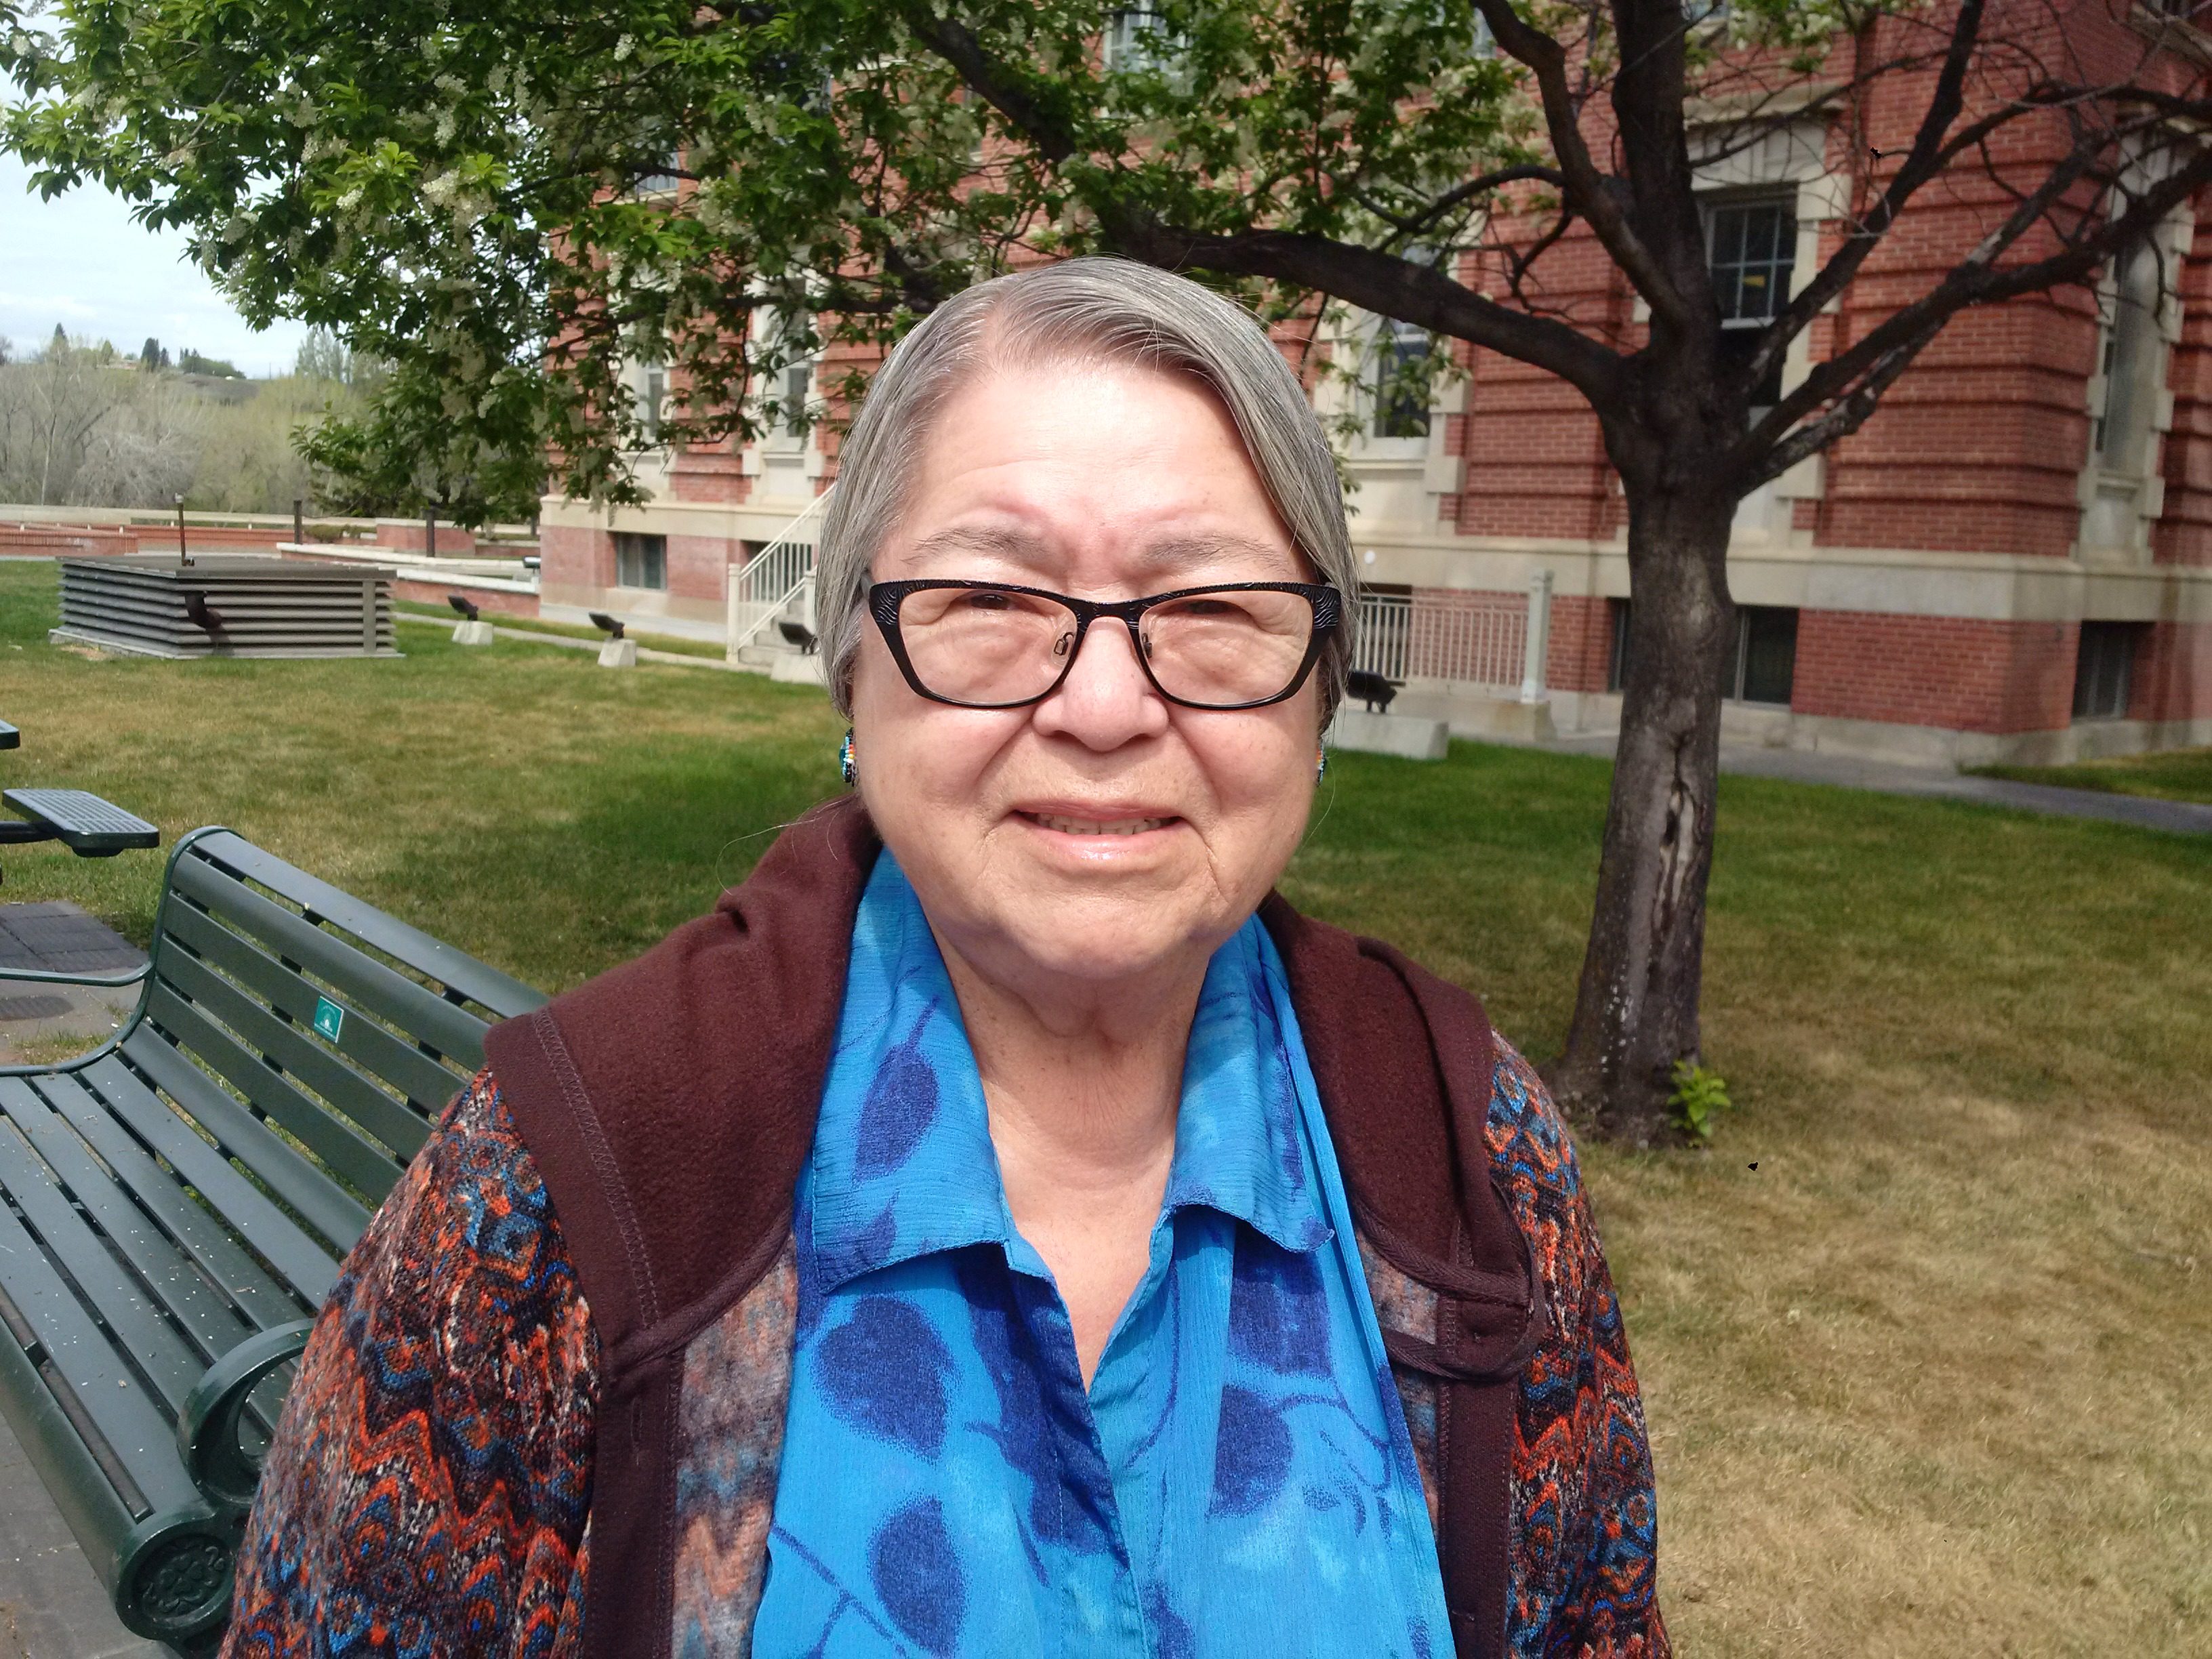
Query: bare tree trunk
column 1636, row 1012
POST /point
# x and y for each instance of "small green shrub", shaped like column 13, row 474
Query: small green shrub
column 1700, row 1097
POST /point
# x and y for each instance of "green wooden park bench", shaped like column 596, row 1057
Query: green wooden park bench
column 174, row 1205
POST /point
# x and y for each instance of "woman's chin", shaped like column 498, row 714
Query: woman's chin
column 1099, row 943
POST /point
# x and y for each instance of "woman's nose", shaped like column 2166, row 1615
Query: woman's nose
column 1106, row 699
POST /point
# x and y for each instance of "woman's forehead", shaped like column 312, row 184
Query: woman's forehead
column 1169, row 550
column 1084, row 464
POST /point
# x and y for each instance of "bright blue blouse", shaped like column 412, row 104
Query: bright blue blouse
column 1237, row 1481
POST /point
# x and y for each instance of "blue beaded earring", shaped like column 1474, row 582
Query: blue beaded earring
column 1321, row 764
column 845, row 760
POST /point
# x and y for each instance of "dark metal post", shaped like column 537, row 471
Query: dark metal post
column 430, row 533
column 183, row 556
column 298, row 519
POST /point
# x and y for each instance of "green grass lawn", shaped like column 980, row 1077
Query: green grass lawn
column 1932, row 1379
column 2183, row 774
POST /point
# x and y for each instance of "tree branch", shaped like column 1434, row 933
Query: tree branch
column 1386, row 285
column 1928, row 157
column 1482, row 184
column 1380, row 282
column 1585, row 187
column 1777, row 442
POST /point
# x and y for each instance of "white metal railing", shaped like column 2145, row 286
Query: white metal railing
column 1494, row 641
column 766, row 585
column 1386, row 622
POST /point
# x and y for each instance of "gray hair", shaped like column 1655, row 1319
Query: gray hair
column 1093, row 309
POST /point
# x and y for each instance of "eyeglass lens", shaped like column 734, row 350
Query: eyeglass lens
column 995, row 646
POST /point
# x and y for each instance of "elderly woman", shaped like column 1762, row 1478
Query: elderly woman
column 1002, row 1227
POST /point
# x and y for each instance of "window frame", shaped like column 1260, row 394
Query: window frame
column 642, row 553
column 1779, row 269
column 1395, row 414
column 1736, row 677
column 1136, row 39
column 2115, row 647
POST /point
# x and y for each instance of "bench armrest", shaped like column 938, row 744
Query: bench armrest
column 113, row 979
column 207, row 1428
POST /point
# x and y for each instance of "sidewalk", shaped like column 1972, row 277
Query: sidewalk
column 1893, row 778
column 2179, row 817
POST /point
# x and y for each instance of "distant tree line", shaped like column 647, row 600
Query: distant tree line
column 82, row 424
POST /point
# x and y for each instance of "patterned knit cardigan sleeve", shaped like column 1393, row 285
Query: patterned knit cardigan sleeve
column 428, row 1487
column 1584, row 1516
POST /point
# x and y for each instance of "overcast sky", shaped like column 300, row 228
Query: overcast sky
column 81, row 261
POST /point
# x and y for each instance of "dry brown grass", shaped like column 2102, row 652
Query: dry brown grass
column 1935, row 1378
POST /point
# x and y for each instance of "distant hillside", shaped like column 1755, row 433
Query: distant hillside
column 84, row 425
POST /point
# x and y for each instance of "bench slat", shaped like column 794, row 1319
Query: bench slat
column 478, row 980
column 76, row 1111
column 294, row 1180
column 211, row 1322
column 309, row 1268
column 362, row 1041
column 103, row 1289
column 355, row 1099
column 139, row 1434
column 422, row 1013
column 349, row 1155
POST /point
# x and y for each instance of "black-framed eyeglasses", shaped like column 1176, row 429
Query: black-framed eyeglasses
column 992, row 644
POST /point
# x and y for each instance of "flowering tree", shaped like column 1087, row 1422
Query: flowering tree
column 510, row 205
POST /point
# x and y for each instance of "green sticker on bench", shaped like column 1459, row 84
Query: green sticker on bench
column 330, row 1018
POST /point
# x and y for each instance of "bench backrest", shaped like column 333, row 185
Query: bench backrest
column 313, row 1038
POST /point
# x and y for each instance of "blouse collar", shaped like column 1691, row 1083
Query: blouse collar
column 902, row 1165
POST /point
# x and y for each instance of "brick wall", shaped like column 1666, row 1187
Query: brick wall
column 1578, row 657
column 1961, row 673
column 490, row 600
column 698, row 566
column 715, row 475
column 572, row 556
column 1979, row 445
column 406, row 536
column 70, row 541
column 2173, row 678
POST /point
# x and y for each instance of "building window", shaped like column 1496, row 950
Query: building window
column 798, row 381
column 1753, row 248
column 1399, row 387
column 1761, row 665
column 1137, row 39
column 2104, row 669
column 1764, row 662
column 652, row 393
column 2132, row 365
column 640, row 561
column 666, row 180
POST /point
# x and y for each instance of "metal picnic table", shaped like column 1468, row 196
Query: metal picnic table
column 89, row 827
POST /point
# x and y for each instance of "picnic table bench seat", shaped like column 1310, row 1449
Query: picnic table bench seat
column 175, row 1205
column 89, row 827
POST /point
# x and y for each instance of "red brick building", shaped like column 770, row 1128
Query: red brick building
column 2012, row 559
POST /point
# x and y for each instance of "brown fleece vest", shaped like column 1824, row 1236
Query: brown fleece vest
column 669, row 1105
